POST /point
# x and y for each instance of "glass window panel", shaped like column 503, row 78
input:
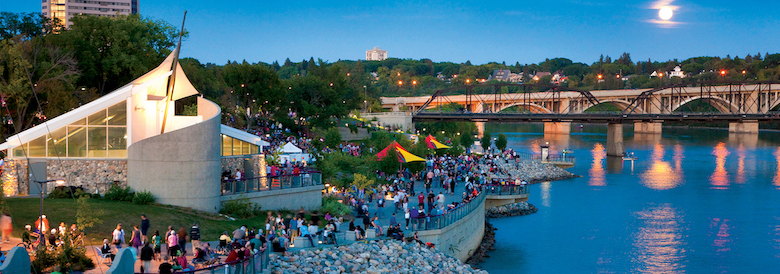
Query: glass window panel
column 253, row 149
column 236, row 146
column 98, row 118
column 20, row 151
column 77, row 141
column 81, row 122
column 245, row 148
column 117, row 142
column 227, row 145
column 117, row 114
column 56, row 143
column 97, row 142
column 38, row 147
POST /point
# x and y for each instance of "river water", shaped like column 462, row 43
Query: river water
column 696, row 201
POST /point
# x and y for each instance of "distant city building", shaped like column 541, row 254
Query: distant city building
column 66, row 9
column 376, row 54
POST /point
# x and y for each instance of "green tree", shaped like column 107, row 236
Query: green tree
column 485, row 141
column 501, row 142
column 26, row 26
column 33, row 72
column 112, row 51
column 86, row 216
column 333, row 138
column 466, row 140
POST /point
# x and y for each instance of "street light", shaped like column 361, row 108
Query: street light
column 59, row 182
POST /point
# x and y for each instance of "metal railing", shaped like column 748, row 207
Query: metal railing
column 498, row 189
column 256, row 264
column 265, row 183
column 550, row 158
column 432, row 222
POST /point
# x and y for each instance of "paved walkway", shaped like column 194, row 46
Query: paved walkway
column 384, row 215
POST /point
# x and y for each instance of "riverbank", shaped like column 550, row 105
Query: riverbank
column 380, row 256
column 510, row 210
column 530, row 171
column 488, row 244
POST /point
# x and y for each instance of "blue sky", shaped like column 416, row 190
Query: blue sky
column 479, row 31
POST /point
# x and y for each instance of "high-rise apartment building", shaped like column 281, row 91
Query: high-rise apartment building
column 376, row 54
column 66, row 9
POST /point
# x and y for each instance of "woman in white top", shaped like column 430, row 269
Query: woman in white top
column 407, row 215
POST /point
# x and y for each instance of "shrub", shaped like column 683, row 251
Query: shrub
column 96, row 196
column 143, row 198
column 59, row 193
column 331, row 204
column 118, row 193
column 241, row 208
column 66, row 257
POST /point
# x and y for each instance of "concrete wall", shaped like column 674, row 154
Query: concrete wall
column 181, row 167
column 347, row 135
column 744, row 127
column 401, row 119
column 648, row 127
column 461, row 238
column 499, row 200
column 309, row 198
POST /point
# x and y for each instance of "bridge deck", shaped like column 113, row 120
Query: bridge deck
column 595, row 117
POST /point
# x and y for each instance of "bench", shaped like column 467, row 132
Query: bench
column 370, row 233
column 350, row 236
column 301, row 242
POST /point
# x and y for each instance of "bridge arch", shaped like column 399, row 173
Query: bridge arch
column 722, row 105
column 620, row 104
column 535, row 108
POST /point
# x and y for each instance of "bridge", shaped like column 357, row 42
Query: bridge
column 741, row 104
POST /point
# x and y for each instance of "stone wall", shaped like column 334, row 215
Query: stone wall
column 15, row 178
column 461, row 238
column 89, row 174
column 231, row 164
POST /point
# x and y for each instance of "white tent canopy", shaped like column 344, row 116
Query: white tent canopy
column 289, row 148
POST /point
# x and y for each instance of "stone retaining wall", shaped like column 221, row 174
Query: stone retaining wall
column 89, row 174
column 15, row 177
column 231, row 164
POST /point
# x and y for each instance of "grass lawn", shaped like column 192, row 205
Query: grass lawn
column 26, row 210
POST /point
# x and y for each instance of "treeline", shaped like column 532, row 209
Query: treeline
column 43, row 64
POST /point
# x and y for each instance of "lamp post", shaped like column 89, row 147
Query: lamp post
column 43, row 187
column 365, row 99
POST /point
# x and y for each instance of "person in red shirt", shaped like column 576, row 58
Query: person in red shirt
column 421, row 198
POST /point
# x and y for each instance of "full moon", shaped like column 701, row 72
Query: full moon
column 665, row 13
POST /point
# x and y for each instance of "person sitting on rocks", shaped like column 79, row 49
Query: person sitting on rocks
column 305, row 233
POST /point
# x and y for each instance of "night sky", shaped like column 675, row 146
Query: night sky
column 457, row 31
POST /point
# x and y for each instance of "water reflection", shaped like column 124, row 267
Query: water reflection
column 558, row 142
column 777, row 173
column 597, row 171
column 722, row 237
column 740, row 165
column 661, row 175
column 658, row 242
column 720, row 177
column 545, row 188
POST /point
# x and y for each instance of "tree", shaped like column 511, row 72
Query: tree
column 501, row 142
column 111, row 52
column 33, row 72
column 86, row 217
column 485, row 141
column 26, row 26
column 333, row 138
column 466, row 140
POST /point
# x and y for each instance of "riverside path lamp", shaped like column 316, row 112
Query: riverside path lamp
column 59, row 182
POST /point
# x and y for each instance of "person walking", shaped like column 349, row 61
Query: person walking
column 147, row 253
column 6, row 225
column 135, row 239
column 118, row 236
column 144, row 228
column 195, row 237
column 182, row 238
column 407, row 215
